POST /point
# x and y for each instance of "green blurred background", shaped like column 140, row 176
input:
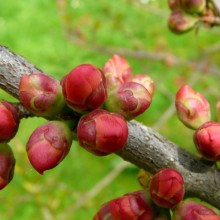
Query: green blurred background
column 58, row 35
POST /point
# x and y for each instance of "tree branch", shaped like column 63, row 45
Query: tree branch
column 145, row 147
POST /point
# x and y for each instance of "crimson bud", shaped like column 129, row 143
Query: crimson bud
column 129, row 99
column 192, row 108
column 179, row 22
column 41, row 94
column 84, row 88
column 9, row 121
column 101, row 132
column 48, row 145
column 190, row 210
column 7, row 165
column 117, row 71
column 167, row 188
column 131, row 206
column 206, row 140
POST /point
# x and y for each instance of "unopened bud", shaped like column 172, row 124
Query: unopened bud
column 117, row 71
column 48, row 145
column 190, row 210
column 193, row 6
column 167, row 188
column 7, row 165
column 192, row 108
column 9, row 121
column 131, row 206
column 206, row 140
column 129, row 99
column 101, row 132
column 41, row 94
column 145, row 81
column 84, row 88
column 180, row 22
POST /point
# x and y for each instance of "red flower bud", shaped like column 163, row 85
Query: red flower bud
column 41, row 94
column 101, row 132
column 193, row 6
column 117, row 71
column 48, row 145
column 167, row 188
column 189, row 210
column 192, row 108
column 131, row 206
column 129, row 99
column 145, row 81
column 9, row 121
column 7, row 165
column 84, row 88
column 180, row 22
column 206, row 140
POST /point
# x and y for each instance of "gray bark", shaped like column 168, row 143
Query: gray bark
column 145, row 147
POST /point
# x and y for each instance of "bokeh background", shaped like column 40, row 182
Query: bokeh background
column 58, row 35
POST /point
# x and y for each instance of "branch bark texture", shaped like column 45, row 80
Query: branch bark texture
column 145, row 147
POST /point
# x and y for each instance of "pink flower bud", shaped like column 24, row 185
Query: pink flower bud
column 7, row 165
column 190, row 210
column 180, row 22
column 117, row 71
column 206, row 140
column 129, row 99
column 41, row 94
column 9, row 121
column 167, row 188
column 145, row 81
column 131, row 206
column 48, row 145
column 101, row 132
column 84, row 88
column 192, row 108
column 193, row 6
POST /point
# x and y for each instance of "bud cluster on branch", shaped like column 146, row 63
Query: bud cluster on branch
column 191, row 14
column 102, row 129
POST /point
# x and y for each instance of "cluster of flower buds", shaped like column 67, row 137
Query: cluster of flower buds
column 194, row 111
column 187, row 14
column 129, row 95
column 163, row 196
column 101, row 99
